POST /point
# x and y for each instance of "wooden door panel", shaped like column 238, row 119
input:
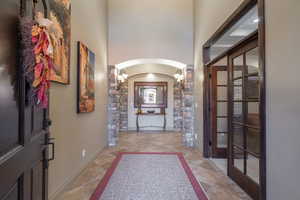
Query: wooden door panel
column 29, row 186
column 37, row 178
column 23, row 129
column 19, row 163
column 14, row 192
column 9, row 115
column 9, row 141
column 33, row 182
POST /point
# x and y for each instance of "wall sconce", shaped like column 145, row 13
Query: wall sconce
column 180, row 79
column 121, row 79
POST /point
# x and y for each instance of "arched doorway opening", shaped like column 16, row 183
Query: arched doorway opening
column 121, row 96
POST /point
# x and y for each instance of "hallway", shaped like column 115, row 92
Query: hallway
column 217, row 185
column 149, row 100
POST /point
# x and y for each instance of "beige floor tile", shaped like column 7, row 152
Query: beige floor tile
column 216, row 184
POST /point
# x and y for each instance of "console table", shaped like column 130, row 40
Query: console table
column 150, row 114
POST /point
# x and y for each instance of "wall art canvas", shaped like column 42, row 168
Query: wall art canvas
column 86, row 79
column 60, row 15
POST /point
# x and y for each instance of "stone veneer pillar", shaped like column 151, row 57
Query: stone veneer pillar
column 177, row 107
column 113, row 107
column 124, row 106
column 188, row 107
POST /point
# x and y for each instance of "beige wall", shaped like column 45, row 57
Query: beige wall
column 150, row 29
column 74, row 132
column 283, row 98
column 209, row 16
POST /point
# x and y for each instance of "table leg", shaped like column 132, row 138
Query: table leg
column 165, row 122
column 137, row 123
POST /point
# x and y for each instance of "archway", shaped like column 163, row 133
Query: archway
column 135, row 67
column 143, row 61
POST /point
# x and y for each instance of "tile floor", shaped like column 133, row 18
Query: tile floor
column 217, row 185
column 252, row 166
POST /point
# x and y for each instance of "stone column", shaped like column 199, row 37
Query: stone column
column 188, row 107
column 113, row 107
column 124, row 106
column 177, row 107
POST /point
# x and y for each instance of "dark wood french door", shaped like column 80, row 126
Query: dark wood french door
column 218, row 110
column 24, row 134
column 245, row 118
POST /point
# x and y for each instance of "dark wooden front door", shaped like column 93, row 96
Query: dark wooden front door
column 23, row 129
column 219, row 116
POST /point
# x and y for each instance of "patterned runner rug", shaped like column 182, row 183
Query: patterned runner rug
column 149, row 176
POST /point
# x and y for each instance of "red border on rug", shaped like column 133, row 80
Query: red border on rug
column 196, row 186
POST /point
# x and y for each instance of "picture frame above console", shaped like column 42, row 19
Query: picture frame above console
column 151, row 94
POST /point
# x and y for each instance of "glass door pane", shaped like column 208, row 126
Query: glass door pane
column 222, row 132
column 238, row 135
column 252, row 61
column 253, row 140
column 238, row 156
column 252, row 75
column 222, row 93
column 222, row 109
column 253, row 168
column 222, row 77
column 238, row 64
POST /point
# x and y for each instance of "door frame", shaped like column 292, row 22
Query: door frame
column 260, row 34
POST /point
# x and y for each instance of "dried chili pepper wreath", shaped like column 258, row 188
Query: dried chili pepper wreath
column 36, row 59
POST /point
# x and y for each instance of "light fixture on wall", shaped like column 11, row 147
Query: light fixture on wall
column 150, row 76
column 121, row 79
column 179, row 78
column 256, row 20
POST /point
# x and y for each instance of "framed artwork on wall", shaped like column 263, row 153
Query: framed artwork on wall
column 60, row 15
column 151, row 94
column 86, row 79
